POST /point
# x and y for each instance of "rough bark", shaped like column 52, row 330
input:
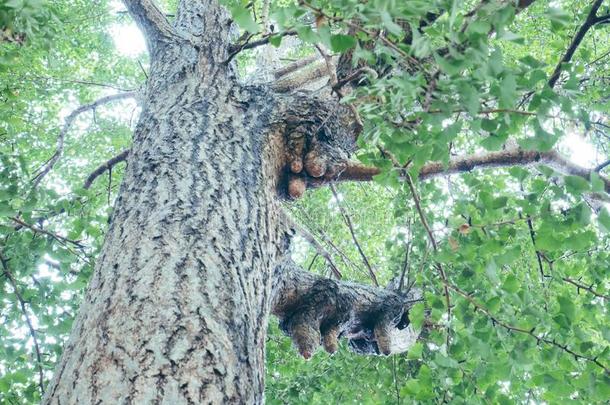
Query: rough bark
column 177, row 308
column 316, row 311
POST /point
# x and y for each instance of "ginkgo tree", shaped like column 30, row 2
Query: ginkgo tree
column 402, row 184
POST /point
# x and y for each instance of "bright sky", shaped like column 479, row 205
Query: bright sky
column 128, row 39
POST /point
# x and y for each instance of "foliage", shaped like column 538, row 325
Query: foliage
column 525, row 249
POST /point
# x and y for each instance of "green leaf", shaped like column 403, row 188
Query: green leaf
column 415, row 351
column 416, row 315
column 604, row 220
column 511, row 284
column 566, row 307
column 576, row 184
column 243, row 18
column 341, row 43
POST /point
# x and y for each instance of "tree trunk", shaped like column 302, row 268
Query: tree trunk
column 177, row 308
column 176, row 311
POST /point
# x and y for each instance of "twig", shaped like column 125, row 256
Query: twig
column 46, row 168
column 237, row 48
column 584, row 287
column 58, row 238
column 530, row 332
column 13, row 283
column 348, row 221
column 316, row 245
column 424, row 222
column 530, row 226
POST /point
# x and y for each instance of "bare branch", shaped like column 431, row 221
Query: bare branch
column 292, row 82
column 580, row 286
column 13, row 284
column 108, row 165
column 348, row 221
column 320, row 250
column 433, row 242
column 237, row 48
column 58, row 238
column 151, row 20
column 59, row 149
column 285, row 70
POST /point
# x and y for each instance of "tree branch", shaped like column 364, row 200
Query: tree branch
column 13, row 284
column 539, row 339
column 285, row 70
column 580, row 35
column 121, row 157
column 586, row 288
column 313, row 309
column 438, row 265
column 59, row 149
column 320, row 250
column 151, row 20
column 58, row 238
column 506, row 158
column 349, row 224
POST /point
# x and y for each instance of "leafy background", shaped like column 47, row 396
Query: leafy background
column 526, row 248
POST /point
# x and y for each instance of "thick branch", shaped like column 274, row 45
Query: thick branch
column 464, row 164
column 59, row 149
column 151, row 20
column 285, row 70
column 312, row 309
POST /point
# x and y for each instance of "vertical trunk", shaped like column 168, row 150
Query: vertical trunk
column 177, row 308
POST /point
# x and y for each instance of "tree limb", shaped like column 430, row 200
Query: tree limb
column 313, row 309
column 59, row 149
column 109, row 164
column 580, row 35
column 285, row 70
column 353, row 171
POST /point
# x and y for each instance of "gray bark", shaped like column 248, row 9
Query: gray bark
column 176, row 311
